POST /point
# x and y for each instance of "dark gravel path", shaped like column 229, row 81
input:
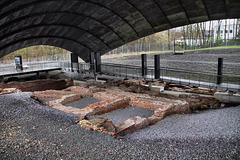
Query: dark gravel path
column 29, row 130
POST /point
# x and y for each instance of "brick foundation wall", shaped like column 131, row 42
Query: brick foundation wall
column 52, row 94
column 103, row 95
column 85, row 92
column 106, row 106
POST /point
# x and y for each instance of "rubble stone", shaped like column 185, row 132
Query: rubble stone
column 101, row 124
column 9, row 90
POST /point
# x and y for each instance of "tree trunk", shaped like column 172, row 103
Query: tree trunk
column 218, row 31
column 199, row 34
column 225, row 29
column 168, row 40
column 209, row 32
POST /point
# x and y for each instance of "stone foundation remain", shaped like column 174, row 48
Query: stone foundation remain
column 113, row 99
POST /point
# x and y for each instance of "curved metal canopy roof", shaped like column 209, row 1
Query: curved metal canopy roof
column 84, row 26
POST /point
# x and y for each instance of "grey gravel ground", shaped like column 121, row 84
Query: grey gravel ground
column 84, row 102
column 29, row 130
column 213, row 124
column 121, row 115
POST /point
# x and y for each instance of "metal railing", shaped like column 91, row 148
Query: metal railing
column 187, row 77
column 76, row 67
column 30, row 66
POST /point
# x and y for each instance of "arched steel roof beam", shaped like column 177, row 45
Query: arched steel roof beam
column 54, row 24
column 56, row 12
column 141, row 14
column 226, row 2
column 74, row 47
column 44, row 36
column 206, row 9
column 44, row 1
column 180, row 1
column 154, row 1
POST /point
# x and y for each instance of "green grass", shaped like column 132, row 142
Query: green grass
column 221, row 47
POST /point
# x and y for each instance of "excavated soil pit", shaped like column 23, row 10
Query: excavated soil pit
column 83, row 102
column 120, row 115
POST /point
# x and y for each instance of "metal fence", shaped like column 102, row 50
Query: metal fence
column 188, row 77
column 56, row 57
column 165, row 46
column 76, row 67
column 30, row 66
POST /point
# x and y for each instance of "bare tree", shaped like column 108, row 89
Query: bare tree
column 225, row 31
column 218, row 29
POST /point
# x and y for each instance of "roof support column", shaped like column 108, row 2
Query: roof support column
column 156, row 66
column 92, row 57
column 74, row 62
column 98, row 62
column 144, row 65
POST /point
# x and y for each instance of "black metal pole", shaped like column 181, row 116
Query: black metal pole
column 220, row 70
column 144, row 65
column 92, row 57
column 98, row 62
column 72, row 62
column 74, row 59
column 157, row 66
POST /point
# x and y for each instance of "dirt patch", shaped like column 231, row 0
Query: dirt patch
column 38, row 85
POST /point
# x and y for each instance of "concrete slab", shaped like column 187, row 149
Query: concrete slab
column 78, row 83
column 155, row 88
column 175, row 93
column 131, row 125
column 92, row 81
column 227, row 98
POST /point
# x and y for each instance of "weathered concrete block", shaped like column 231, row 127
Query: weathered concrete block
column 92, row 81
column 70, row 98
column 153, row 119
column 131, row 125
column 156, row 88
column 227, row 98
